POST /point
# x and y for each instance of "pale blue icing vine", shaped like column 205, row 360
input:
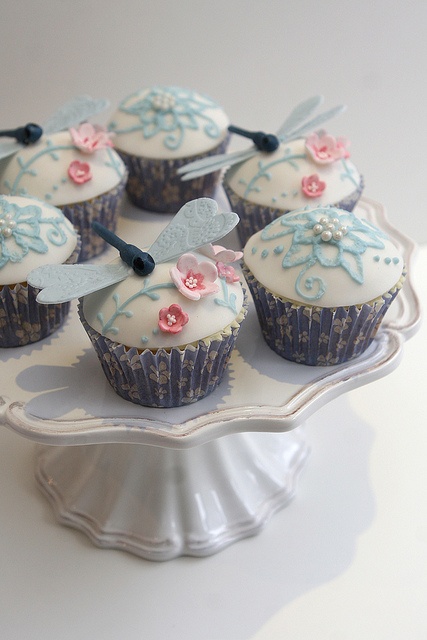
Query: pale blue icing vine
column 288, row 157
column 20, row 231
column 26, row 168
column 308, row 248
column 228, row 301
column 264, row 170
column 150, row 292
column 170, row 110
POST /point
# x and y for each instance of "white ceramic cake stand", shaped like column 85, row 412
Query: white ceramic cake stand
column 167, row 482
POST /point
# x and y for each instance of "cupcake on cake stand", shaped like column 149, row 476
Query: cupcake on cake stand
column 161, row 483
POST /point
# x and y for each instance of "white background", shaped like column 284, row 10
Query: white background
column 348, row 558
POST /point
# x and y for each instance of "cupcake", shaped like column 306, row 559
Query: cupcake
column 299, row 166
column 315, row 170
column 32, row 233
column 77, row 171
column 165, row 340
column 159, row 130
column 322, row 280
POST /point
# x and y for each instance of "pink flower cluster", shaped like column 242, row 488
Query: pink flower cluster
column 89, row 138
column 79, row 172
column 172, row 319
column 325, row 149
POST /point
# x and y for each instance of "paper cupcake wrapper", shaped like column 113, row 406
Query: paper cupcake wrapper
column 105, row 209
column 154, row 185
column 315, row 335
column 22, row 319
column 254, row 217
column 165, row 378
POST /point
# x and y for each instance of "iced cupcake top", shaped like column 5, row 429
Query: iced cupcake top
column 324, row 256
column 178, row 303
column 168, row 122
column 32, row 233
column 65, row 167
column 316, row 169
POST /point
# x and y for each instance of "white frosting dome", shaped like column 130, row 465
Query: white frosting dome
column 42, row 170
column 128, row 312
column 276, row 179
column 167, row 123
column 325, row 257
column 32, row 234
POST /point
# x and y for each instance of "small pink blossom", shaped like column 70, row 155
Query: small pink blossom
column 325, row 149
column 219, row 253
column 227, row 273
column 79, row 172
column 194, row 279
column 172, row 319
column 312, row 186
column 89, row 138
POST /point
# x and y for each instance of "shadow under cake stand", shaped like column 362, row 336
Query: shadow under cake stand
column 187, row 481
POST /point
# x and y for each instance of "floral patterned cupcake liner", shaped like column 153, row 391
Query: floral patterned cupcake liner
column 22, row 319
column 154, row 185
column 165, row 378
column 254, row 217
column 315, row 335
column 105, row 209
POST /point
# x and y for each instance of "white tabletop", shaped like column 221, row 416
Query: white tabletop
column 348, row 557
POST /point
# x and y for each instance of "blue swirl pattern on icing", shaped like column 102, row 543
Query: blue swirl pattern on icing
column 170, row 110
column 20, row 231
column 308, row 248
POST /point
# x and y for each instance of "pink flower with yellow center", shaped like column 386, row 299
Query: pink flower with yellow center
column 194, row 279
column 172, row 319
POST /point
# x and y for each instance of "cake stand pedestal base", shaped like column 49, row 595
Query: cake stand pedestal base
column 160, row 503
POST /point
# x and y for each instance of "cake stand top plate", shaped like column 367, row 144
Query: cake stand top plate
column 55, row 392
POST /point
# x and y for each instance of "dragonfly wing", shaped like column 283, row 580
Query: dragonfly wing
column 196, row 223
column 64, row 282
column 313, row 124
column 9, row 147
column 72, row 113
column 299, row 115
column 210, row 164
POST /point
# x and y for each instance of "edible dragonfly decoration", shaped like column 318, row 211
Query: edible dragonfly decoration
column 298, row 123
column 196, row 224
column 68, row 115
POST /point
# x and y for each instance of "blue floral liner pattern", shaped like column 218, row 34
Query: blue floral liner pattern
column 22, row 319
column 254, row 217
column 315, row 335
column 154, row 185
column 105, row 209
column 165, row 378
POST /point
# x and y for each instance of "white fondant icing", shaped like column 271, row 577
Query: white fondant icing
column 270, row 180
column 137, row 324
column 180, row 124
column 41, row 170
column 41, row 235
column 358, row 268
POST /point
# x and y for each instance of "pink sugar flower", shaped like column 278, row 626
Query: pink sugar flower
column 79, row 172
column 227, row 273
column 220, row 254
column 89, row 138
column 325, row 149
column 312, row 186
column 172, row 319
column 194, row 279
